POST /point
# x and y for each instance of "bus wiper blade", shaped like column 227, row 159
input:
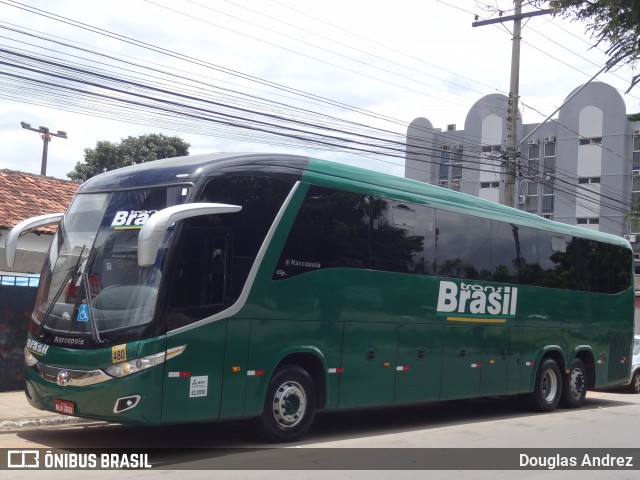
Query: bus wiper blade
column 72, row 271
column 87, row 291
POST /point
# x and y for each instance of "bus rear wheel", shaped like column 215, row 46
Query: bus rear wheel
column 548, row 389
column 575, row 385
column 289, row 406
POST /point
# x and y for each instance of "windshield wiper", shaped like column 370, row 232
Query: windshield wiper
column 70, row 274
column 95, row 335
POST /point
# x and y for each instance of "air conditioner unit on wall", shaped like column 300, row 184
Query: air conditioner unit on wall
column 549, row 139
column 445, row 147
column 635, row 173
column 522, row 199
column 534, row 141
column 631, row 238
column 636, row 132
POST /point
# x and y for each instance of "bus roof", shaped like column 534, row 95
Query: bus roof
column 192, row 168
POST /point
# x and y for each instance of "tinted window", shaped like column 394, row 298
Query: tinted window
column 505, row 252
column 557, row 260
column 463, row 247
column 216, row 252
column 349, row 230
column 331, row 230
column 603, row 268
column 402, row 237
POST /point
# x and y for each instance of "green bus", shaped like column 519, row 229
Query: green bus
column 224, row 286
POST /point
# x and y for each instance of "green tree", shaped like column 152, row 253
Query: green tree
column 131, row 150
column 615, row 22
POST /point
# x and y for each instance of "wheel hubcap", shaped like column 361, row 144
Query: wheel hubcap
column 576, row 385
column 549, row 386
column 289, row 404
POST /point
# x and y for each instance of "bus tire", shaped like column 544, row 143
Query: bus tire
column 289, row 405
column 574, row 388
column 634, row 386
column 548, row 389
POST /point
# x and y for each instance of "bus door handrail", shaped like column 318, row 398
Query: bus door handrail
column 23, row 227
column 153, row 229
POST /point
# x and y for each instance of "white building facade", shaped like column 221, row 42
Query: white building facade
column 581, row 168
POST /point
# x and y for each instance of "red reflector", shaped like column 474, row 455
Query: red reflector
column 339, row 370
column 259, row 372
column 184, row 374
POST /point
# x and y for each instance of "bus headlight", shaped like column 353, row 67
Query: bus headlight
column 29, row 358
column 123, row 369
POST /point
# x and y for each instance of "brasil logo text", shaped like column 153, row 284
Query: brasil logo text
column 476, row 303
column 125, row 219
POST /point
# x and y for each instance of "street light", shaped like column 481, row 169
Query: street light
column 46, row 135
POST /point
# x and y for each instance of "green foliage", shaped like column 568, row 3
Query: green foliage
column 130, row 151
column 615, row 22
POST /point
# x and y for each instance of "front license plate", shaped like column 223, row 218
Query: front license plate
column 65, row 407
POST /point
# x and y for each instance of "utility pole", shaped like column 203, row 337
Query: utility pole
column 46, row 135
column 511, row 155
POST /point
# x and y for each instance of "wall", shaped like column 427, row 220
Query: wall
column 16, row 305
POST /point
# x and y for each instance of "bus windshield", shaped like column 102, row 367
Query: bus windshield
column 92, row 285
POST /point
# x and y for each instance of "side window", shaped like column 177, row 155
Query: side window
column 514, row 253
column 402, row 237
column 331, row 230
column 463, row 246
column 215, row 252
column 604, row 268
column 558, row 254
column 505, row 253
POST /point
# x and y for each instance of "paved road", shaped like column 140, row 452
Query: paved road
column 610, row 420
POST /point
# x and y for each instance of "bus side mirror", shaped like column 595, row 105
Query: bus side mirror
column 153, row 229
column 24, row 227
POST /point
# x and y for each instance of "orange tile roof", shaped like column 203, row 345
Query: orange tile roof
column 24, row 195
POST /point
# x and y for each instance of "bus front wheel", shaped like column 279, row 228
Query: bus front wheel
column 575, row 385
column 548, row 388
column 289, row 406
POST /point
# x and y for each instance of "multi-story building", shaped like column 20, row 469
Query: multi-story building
column 582, row 167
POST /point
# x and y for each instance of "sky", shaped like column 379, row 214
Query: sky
column 390, row 62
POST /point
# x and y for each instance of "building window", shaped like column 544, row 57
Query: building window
column 591, row 141
column 491, row 148
column 550, row 158
column 635, row 191
column 450, row 169
column 445, row 157
column 489, row 184
column 547, row 197
column 585, row 180
column 636, row 153
column 587, row 220
column 531, row 204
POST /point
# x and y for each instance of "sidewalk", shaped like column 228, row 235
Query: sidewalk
column 15, row 412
